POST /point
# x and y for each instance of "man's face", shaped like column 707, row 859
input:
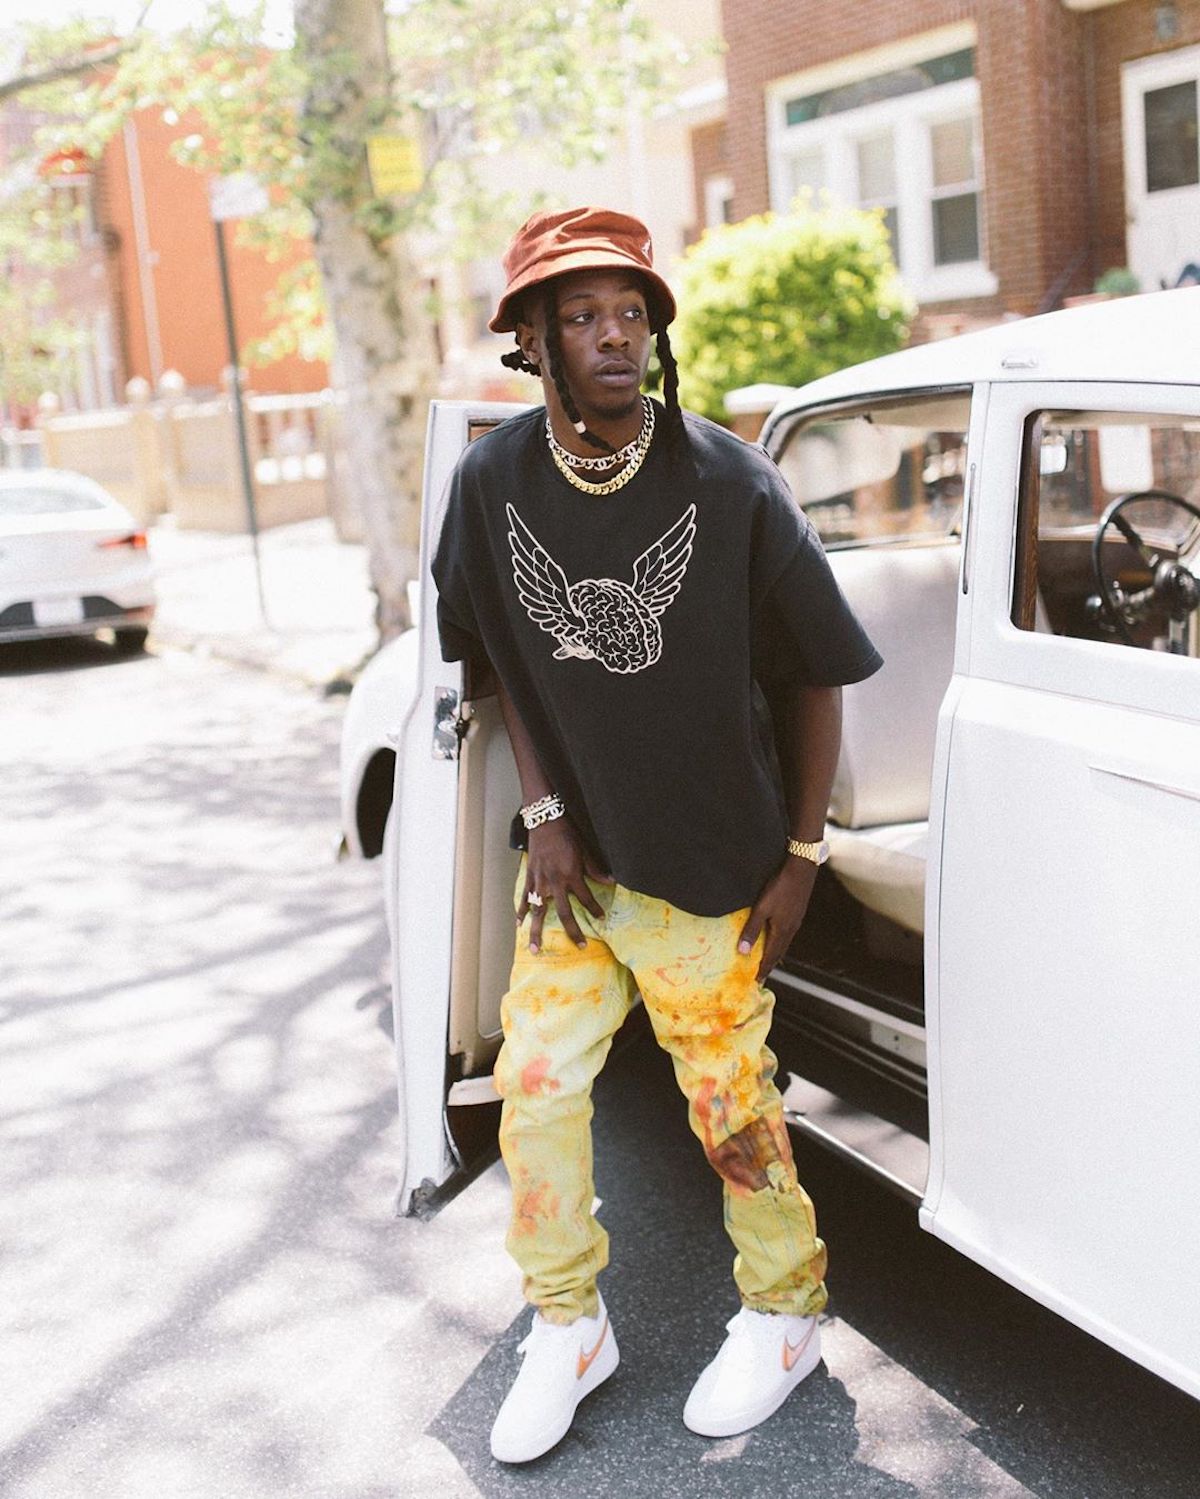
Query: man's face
column 605, row 332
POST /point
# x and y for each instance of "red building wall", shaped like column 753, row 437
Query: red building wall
column 184, row 269
column 710, row 158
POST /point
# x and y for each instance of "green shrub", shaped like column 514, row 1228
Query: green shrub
column 785, row 298
column 1118, row 282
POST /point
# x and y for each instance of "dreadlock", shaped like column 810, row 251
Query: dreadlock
column 516, row 360
column 676, row 431
column 558, row 373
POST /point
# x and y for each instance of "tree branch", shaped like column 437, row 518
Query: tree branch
column 71, row 67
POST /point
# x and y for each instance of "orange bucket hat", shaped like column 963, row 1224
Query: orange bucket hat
column 579, row 239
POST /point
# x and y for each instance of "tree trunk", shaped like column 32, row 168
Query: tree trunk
column 383, row 329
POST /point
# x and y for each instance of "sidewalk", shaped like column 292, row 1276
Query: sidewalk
column 319, row 623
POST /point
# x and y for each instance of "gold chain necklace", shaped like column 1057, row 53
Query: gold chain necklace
column 604, row 460
column 618, row 481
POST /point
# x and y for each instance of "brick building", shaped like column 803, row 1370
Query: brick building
column 142, row 290
column 157, row 212
column 87, row 289
column 1019, row 148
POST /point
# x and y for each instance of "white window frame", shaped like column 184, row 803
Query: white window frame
column 718, row 191
column 908, row 118
column 82, row 189
column 862, row 199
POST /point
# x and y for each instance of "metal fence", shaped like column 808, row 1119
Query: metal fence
column 174, row 455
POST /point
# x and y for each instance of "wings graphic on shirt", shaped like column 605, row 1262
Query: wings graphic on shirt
column 602, row 619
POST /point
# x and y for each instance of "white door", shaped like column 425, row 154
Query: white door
column 1065, row 1037
column 437, row 821
column 1160, row 98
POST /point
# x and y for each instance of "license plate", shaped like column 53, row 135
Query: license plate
column 51, row 612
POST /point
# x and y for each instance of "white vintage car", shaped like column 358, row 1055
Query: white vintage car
column 996, row 987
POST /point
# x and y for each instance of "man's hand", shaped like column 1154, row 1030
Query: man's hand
column 779, row 910
column 557, row 867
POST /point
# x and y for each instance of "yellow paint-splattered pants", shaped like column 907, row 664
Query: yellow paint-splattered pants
column 563, row 1007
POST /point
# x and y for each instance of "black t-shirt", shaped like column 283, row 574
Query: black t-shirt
column 636, row 633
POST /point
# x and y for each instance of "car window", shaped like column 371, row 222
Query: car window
column 1108, row 528
column 881, row 473
column 38, row 501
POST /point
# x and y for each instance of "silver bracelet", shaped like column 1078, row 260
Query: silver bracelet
column 545, row 809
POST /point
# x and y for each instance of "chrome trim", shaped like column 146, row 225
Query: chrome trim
column 896, row 395
column 888, row 1066
column 854, row 1006
column 446, row 730
column 856, row 1158
column 1191, row 792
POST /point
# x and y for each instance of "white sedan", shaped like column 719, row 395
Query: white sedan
column 72, row 561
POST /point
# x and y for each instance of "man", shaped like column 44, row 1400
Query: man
column 636, row 579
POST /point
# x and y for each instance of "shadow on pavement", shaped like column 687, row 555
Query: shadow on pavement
column 669, row 1292
column 988, row 1392
column 197, row 1181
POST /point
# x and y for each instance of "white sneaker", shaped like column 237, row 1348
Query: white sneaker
column 761, row 1362
column 561, row 1366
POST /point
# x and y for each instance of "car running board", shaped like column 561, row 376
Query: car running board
column 469, row 1090
column 897, row 1158
column 889, row 1153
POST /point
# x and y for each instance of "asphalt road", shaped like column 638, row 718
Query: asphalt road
column 203, row 1290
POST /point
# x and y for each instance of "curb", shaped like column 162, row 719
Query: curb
column 331, row 680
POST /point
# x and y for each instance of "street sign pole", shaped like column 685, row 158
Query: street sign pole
column 239, row 195
column 239, row 414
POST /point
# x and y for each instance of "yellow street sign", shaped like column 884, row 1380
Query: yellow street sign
column 394, row 162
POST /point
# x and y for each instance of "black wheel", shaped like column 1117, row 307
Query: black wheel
column 131, row 641
column 1172, row 586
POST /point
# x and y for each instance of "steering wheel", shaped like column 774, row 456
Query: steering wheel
column 1174, row 589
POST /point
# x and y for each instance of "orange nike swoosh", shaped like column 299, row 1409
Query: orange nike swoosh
column 790, row 1354
column 585, row 1359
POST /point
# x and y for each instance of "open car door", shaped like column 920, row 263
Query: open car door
column 448, row 864
column 1064, row 1041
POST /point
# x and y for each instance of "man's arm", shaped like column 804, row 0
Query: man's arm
column 556, row 862
column 809, row 738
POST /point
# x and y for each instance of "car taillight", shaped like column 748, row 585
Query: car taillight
column 136, row 541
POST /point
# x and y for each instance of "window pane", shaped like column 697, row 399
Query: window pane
column 876, row 169
column 892, row 473
column 718, row 201
column 806, row 170
column 953, row 152
column 956, row 229
column 914, row 79
column 39, row 501
column 1078, row 462
column 1171, row 147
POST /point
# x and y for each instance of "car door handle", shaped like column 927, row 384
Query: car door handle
column 1141, row 778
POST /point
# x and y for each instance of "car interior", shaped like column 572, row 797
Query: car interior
column 1107, row 545
column 884, row 487
column 1109, row 527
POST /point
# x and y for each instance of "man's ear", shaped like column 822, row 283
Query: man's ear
column 530, row 343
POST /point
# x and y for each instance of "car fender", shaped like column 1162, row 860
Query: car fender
column 375, row 712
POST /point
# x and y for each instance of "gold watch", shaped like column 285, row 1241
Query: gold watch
column 815, row 853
